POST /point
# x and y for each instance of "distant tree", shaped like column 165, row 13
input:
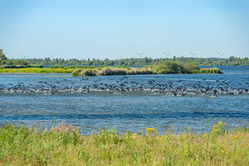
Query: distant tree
column 2, row 56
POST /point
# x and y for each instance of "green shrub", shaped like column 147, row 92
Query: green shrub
column 191, row 67
column 76, row 72
column 170, row 67
column 89, row 72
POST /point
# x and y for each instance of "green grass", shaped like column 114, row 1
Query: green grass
column 207, row 71
column 64, row 145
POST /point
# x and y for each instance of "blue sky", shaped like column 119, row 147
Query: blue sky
column 116, row 29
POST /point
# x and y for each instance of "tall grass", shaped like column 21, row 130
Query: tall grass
column 64, row 145
column 112, row 71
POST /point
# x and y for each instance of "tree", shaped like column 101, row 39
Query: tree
column 2, row 56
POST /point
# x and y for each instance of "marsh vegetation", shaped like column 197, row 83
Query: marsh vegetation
column 170, row 67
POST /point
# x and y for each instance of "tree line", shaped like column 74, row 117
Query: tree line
column 231, row 61
column 5, row 61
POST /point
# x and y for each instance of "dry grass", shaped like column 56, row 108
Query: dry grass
column 112, row 71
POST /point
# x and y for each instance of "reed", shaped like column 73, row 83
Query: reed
column 64, row 145
column 112, row 71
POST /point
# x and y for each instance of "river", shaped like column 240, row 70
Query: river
column 164, row 102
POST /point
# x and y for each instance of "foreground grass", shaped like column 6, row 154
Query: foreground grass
column 63, row 145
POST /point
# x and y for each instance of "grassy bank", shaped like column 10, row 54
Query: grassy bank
column 64, row 145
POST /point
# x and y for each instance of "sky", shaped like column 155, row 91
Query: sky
column 118, row 29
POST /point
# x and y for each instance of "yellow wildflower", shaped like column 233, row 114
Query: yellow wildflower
column 74, row 158
column 216, row 129
column 206, row 134
column 134, row 135
column 225, row 123
column 77, row 132
column 86, row 148
column 150, row 129
column 189, row 128
column 220, row 123
column 235, row 137
column 215, row 126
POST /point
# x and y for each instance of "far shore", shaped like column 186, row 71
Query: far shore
column 170, row 67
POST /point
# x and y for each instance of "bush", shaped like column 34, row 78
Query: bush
column 76, row 72
column 191, row 67
column 170, row 67
column 89, row 72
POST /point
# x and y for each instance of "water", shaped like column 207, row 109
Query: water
column 89, row 104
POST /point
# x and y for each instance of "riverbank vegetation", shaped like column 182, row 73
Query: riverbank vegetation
column 111, row 71
column 170, row 67
column 65, row 145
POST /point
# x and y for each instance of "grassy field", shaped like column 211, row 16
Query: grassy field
column 64, row 145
